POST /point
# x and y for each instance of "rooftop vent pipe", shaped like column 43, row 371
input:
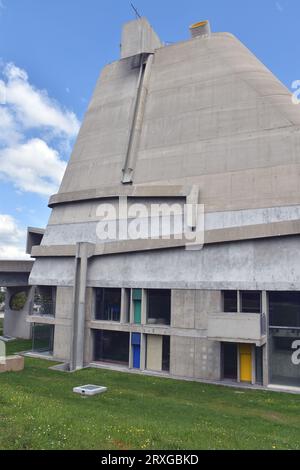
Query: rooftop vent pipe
column 200, row 29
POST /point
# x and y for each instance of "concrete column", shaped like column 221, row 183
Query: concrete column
column 131, row 313
column 239, row 302
column 266, row 366
column 130, row 353
column 143, row 351
column 83, row 252
column 124, row 306
column 144, row 306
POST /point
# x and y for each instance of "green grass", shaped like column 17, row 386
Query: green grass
column 38, row 410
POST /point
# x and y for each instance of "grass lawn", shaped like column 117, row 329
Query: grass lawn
column 38, row 410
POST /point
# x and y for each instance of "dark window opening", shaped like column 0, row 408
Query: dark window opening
column 230, row 361
column 42, row 338
column 251, row 302
column 230, row 301
column 166, row 354
column 108, row 304
column 111, row 346
column 159, row 307
column 284, row 308
column 259, row 365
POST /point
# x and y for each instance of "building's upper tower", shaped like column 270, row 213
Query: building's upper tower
column 204, row 111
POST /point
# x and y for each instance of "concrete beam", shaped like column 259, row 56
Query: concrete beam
column 249, row 232
column 120, row 191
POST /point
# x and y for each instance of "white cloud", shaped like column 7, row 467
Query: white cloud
column 279, row 7
column 32, row 167
column 12, row 238
column 9, row 131
column 36, row 133
column 34, row 108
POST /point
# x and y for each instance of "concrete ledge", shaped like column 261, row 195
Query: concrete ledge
column 119, row 191
column 12, row 364
column 16, row 266
column 249, row 232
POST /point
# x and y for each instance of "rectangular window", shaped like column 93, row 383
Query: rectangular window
column 44, row 301
column 230, row 298
column 111, row 346
column 159, row 307
column 42, row 338
column 251, row 302
column 284, row 308
column 108, row 304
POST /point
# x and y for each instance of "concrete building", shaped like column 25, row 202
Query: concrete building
column 200, row 121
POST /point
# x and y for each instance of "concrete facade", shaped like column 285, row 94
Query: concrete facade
column 14, row 276
column 198, row 122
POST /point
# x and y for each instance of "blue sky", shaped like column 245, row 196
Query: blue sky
column 51, row 53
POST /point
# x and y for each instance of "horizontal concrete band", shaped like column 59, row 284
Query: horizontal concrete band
column 250, row 232
column 120, row 191
column 15, row 266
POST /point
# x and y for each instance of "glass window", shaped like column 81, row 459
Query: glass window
column 230, row 301
column 42, row 338
column 251, row 302
column 284, row 308
column 44, row 301
column 111, row 346
column 159, row 307
column 285, row 356
column 108, row 304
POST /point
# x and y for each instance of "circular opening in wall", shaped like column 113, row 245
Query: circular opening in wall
column 18, row 301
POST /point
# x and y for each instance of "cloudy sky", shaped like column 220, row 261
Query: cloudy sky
column 51, row 52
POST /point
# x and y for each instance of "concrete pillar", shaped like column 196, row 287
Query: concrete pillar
column 266, row 368
column 125, row 305
column 143, row 351
column 83, row 252
column 130, row 353
column 144, row 306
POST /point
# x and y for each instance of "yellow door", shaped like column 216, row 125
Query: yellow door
column 245, row 362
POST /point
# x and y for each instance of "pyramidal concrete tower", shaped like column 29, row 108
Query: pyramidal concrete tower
column 203, row 123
